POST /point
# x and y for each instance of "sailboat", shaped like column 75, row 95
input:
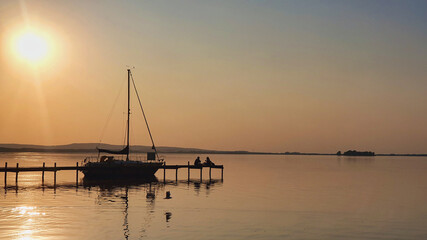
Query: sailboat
column 107, row 166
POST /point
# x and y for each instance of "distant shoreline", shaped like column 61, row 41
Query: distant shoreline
column 91, row 148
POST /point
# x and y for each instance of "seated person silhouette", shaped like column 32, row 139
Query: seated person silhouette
column 208, row 162
column 197, row 162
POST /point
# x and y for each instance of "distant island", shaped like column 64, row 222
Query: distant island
column 356, row 153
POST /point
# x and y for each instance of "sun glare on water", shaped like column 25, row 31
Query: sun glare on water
column 31, row 46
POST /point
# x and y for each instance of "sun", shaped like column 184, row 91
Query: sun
column 31, row 46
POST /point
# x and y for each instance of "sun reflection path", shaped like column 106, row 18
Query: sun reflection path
column 27, row 214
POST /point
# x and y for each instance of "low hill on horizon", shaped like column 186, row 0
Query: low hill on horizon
column 91, row 147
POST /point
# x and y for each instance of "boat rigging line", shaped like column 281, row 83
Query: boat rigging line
column 143, row 113
column 110, row 114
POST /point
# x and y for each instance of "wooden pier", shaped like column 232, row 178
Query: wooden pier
column 16, row 169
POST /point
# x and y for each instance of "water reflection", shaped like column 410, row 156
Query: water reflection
column 110, row 195
column 197, row 185
column 111, row 191
column 125, row 222
column 115, row 190
column 265, row 197
column 28, row 216
column 117, row 182
column 112, row 184
column 355, row 160
column 168, row 216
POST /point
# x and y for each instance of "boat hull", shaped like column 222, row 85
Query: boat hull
column 127, row 170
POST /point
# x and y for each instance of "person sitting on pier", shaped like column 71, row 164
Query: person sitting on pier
column 208, row 162
column 197, row 162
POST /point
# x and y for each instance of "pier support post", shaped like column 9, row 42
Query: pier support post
column 54, row 175
column 164, row 173
column 77, row 174
column 5, row 175
column 210, row 176
column 188, row 175
column 16, row 177
column 44, row 164
column 201, row 173
column 176, row 174
column 222, row 173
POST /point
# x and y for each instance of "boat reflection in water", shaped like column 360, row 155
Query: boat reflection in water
column 113, row 183
column 117, row 190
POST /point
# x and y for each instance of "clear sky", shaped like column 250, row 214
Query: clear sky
column 309, row 76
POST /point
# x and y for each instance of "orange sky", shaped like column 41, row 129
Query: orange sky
column 270, row 76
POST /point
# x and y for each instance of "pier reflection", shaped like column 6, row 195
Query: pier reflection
column 111, row 185
column 115, row 184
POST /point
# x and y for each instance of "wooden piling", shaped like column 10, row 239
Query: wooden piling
column 222, row 173
column 201, row 173
column 164, row 174
column 77, row 173
column 5, row 175
column 54, row 175
column 188, row 175
column 44, row 164
column 176, row 174
column 210, row 176
column 16, row 177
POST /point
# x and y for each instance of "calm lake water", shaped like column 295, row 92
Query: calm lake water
column 261, row 197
